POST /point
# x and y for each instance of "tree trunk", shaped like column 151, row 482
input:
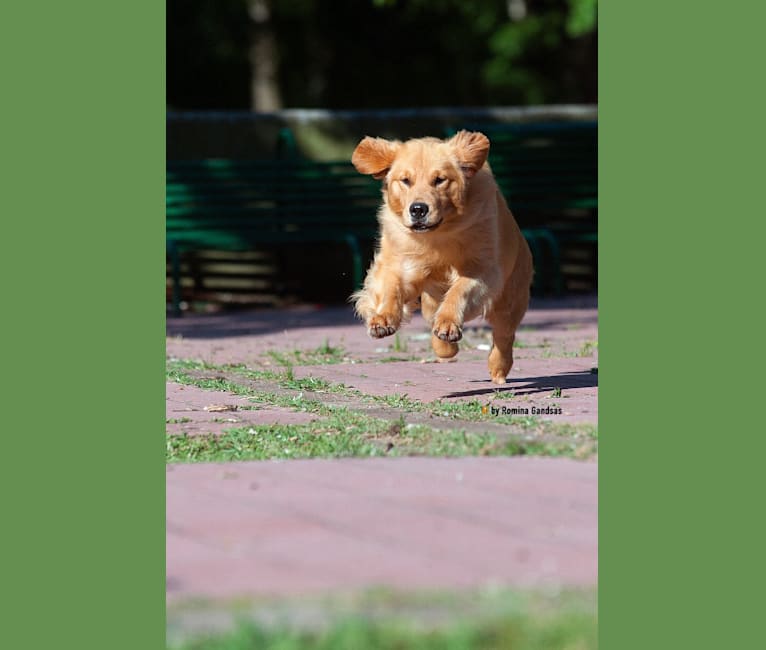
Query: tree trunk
column 264, row 63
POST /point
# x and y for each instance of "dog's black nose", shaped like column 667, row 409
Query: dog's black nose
column 418, row 211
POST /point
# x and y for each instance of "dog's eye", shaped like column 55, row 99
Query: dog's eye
column 439, row 180
column 406, row 181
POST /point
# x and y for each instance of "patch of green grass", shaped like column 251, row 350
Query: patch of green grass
column 550, row 353
column 398, row 401
column 360, row 634
column 568, row 430
column 556, row 392
column 344, row 433
column 270, row 442
column 180, row 367
column 356, row 434
column 197, row 364
column 393, row 359
column 178, row 376
column 280, row 358
column 517, row 343
column 296, row 402
column 328, row 350
column 481, row 622
column 400, row 344
column 347, row 433
column 475, row 411
column 470, row 411
column 585, row 350
column 175, row 372
column 323, row 355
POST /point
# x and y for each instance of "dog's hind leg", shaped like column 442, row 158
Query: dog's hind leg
column 501, row 355
column 505, row 319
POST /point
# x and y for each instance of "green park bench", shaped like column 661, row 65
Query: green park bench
column 235, row 205
column 546, row 171
column 548, row 174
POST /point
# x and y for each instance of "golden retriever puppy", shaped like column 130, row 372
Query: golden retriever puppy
column 448, row 242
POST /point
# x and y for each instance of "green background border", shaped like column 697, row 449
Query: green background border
column 83, row 140
column 680, row 415
column 681, row 151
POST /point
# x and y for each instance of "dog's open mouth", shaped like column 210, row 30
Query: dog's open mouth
column 423, row 227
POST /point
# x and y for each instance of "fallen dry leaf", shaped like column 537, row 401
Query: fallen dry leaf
column 217, row 408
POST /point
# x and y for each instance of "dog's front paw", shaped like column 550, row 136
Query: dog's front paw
column 379, row 326
column 447, row 330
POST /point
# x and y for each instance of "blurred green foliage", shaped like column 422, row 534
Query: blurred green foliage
column 385, row 53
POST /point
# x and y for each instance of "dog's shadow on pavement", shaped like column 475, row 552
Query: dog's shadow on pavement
column 533, row 385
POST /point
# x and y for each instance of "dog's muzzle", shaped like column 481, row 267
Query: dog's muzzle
column 419, row 218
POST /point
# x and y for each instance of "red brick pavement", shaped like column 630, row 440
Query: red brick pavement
column 557, row 353
column 312, row 526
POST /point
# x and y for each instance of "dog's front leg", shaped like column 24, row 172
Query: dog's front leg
column 464, row 299
column 381, row 302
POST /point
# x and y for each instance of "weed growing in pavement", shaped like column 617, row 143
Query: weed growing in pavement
column 393, row 359
column 585, row 350
column 521, row 344
column 297, row 402
column 325, row 354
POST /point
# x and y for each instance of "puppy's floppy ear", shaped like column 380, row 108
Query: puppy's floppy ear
column 471, row 149
column 374, row 156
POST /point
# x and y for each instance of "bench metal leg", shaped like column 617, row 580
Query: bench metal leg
column 555, row 251
column 175, row 273
column 356, row 256
column 286, row 146
column 534, row 238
